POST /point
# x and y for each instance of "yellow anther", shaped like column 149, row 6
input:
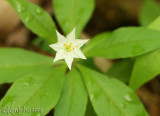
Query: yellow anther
column 70, row 45
column 76, row 46
column 65, row 45
column 69, row 50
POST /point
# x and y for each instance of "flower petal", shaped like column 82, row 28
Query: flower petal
column 69, row 60
column 59, row 55
column 56, row 46
column 71, row 36
column 78, row 54
column 61, row 38
column 80, row 42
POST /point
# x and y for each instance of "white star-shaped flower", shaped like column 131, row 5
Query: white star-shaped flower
column 68, row 48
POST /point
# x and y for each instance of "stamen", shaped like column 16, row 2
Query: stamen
column 70, row 45
column 69, row 50
column 65, row 45
column 76, row 46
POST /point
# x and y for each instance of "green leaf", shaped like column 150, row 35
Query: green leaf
column 150, row 11
column 17, row 62
column 147, row 66
column 121, row 70
column 155, row 24
column 90, row 111
column 89, row 63
column 36, row 19
column 110, row 97
column 74, row 97
column 73, row 13
column 42, row 44
column 128, row 42
column 96, row 43
column 40, row 90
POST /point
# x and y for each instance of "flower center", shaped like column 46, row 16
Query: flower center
column 69, row 47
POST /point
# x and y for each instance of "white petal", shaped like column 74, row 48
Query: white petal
column 59, row 55
column 69, row 60
column 56, row 46
column 61, row 38
column 80, row 42
column 78, row 54
column 71, row 36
